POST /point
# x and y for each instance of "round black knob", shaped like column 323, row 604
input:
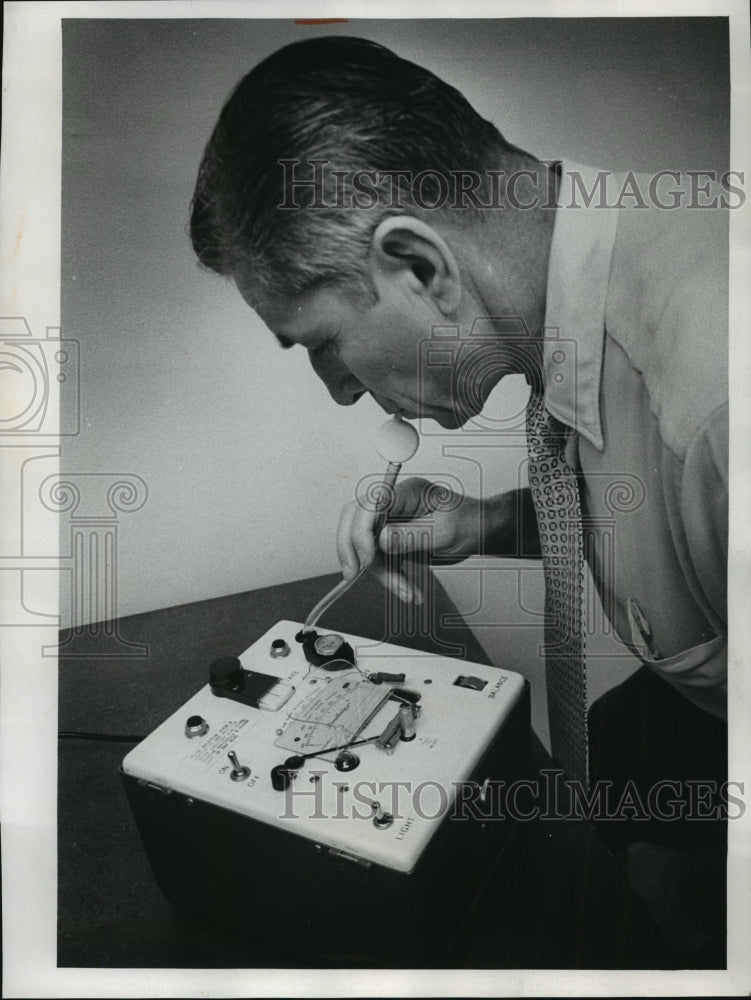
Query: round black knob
column 346, row 761
column 196, row 725
column 225, row 671
column 280, row 778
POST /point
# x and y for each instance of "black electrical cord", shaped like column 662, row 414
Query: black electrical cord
column 106, row 737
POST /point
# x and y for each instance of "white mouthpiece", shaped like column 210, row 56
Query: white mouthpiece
column 397, row 441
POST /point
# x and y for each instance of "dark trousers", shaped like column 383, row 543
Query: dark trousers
column 644, row 733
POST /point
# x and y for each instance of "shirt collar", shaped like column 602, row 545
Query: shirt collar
column 578, row 272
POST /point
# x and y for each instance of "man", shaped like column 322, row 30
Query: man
column 358, row 203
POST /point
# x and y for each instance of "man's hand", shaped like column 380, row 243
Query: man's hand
column 460, row 526
column 455, row 532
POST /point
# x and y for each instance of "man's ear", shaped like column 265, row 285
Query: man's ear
column 406, row 250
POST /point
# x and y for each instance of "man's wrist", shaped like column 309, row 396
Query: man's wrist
column 510, row 525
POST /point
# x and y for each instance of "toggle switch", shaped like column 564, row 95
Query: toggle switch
column 239, row 772
column 381, row 819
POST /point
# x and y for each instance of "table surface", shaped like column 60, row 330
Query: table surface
column 556, row 900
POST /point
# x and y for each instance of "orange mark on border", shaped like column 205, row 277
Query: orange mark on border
column 322, row 20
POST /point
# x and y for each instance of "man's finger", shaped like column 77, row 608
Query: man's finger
column 403, row 538
column 409, row 497
column 398, row 584
column 345, row 548
column 363, row 540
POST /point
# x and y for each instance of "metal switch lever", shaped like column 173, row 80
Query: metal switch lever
column 239, row 772
column 381, row 818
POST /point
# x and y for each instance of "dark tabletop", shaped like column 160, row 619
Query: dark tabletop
column 556, row 900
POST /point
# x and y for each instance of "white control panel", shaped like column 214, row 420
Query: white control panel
column 363, row 752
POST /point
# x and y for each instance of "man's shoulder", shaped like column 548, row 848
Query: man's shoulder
column 667, row 307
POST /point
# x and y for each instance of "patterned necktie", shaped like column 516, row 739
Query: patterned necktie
column 555, row 492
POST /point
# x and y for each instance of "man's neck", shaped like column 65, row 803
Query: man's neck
column 510, row 257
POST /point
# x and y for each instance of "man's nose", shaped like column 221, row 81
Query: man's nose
column 343, row 387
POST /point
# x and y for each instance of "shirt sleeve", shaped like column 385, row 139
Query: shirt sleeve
column 700, row 525
column 704, row 512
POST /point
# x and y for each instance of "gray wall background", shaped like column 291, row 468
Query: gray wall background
column 246, row 458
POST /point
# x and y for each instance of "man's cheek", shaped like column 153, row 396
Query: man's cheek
column 374, row 375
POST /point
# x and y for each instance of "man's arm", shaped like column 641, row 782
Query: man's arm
column 697, row 491
column 511, row 525
column 702, row 488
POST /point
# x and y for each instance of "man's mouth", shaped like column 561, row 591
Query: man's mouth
column 446, row 418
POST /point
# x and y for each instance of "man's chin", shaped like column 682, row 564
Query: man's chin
column 447, row 419
column 388, row 405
